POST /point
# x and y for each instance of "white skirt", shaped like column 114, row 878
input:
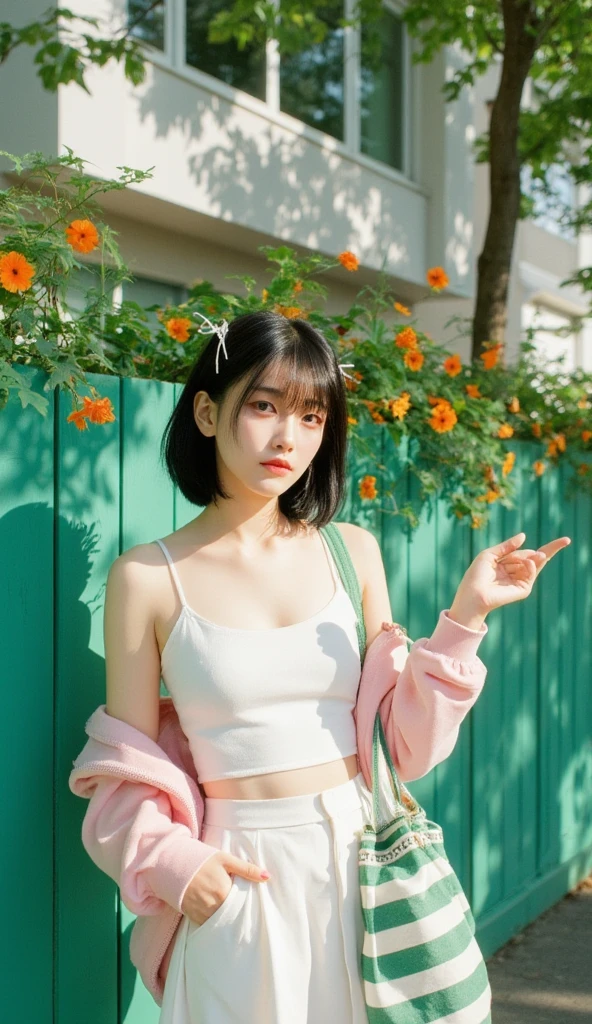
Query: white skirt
column 288, row 950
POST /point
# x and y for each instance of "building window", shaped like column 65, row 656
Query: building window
column 382, row 96
column 311, row 82
column 147, row 291
column 243, row 69
column 333, row 86
column 548, row 210
column 80, row 281
column 147, row 21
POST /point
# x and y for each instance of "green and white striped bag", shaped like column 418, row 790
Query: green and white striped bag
column 420, row 959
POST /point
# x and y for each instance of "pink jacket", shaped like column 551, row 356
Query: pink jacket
column 146, row 807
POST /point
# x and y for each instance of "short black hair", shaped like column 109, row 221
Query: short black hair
column 253, row 342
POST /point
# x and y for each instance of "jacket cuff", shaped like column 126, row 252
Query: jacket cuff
column 454, row 640
column 176, row 865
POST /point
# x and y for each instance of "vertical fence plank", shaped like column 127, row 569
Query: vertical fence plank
column 581, row 773
column 452, row 806
column 552, row 635
column 27, row 748
column 523, row 815
column 147, row 512
column 488, row 747
column 87, row 541
column 567, row 793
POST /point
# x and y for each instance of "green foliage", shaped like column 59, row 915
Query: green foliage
column 456, row 448
column 65, row 49
column 555, row 127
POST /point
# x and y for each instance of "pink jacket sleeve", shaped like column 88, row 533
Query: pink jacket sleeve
column 437, row 686
column 129, row 833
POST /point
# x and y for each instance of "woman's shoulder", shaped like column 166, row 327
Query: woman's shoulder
column 354, row 540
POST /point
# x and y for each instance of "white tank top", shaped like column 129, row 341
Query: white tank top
column 252, row 701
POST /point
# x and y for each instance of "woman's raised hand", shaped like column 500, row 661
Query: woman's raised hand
column 502, row 574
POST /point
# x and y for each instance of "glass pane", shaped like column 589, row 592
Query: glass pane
column 148, row 26
column 548, row 209
column 243, row 69
column 381, row 97
column 147, row 292
column 311, row 82
column 79, row 281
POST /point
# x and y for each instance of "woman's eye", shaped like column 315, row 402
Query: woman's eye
column 262, row 402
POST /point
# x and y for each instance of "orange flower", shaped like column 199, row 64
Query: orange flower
column 15, row 272
column 367, row 487
column 514, row 405
column 453, row 365
column 439, row 401
column 490, row 356
column 407, row 338
column 551, row 448
column 291, row 312
column 348, row 260
column 490, row 496
column 583, row 402
column 476, row 521
column 178, row 327
column 508, row 463
column 539, row 467
column 298, row 286
column 413, row 359
column 442, row 419
column 473, row 390
column 78, row 418
column 560, row 440
column 351, row 419
column 97, row 410
column 265, row 294
column 505, row 430
column 586, row 435
column 402, row 309
column 400, row 406
column 437, row 278
column 536, row 429
column 82, row 235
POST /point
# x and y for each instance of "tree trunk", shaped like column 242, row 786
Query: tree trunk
column 504, row 185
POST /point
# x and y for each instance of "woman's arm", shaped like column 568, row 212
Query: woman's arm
column 436, row 686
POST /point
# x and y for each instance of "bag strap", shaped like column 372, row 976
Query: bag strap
column 349, row 579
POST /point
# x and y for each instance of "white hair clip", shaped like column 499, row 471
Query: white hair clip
column 221, row 330
column 344, row 374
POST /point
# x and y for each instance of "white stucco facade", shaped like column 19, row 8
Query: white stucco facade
column 232, row 172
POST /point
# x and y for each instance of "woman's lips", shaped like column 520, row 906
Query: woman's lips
column 275, row 468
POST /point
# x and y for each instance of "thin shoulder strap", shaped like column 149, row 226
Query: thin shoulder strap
column 331, row 560
column 174, row 572
column 349, row 578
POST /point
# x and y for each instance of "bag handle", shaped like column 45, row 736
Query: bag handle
column 405, row 803
column 349, row 579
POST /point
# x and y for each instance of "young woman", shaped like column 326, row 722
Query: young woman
column 243, row 614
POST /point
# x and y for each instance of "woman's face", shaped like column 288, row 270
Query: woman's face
column 266, row 430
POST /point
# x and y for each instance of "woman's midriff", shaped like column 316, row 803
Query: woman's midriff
column 294, row 782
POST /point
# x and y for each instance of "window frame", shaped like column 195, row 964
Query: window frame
column 172, row 60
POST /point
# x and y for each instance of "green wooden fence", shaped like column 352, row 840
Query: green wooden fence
column 515, row 797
